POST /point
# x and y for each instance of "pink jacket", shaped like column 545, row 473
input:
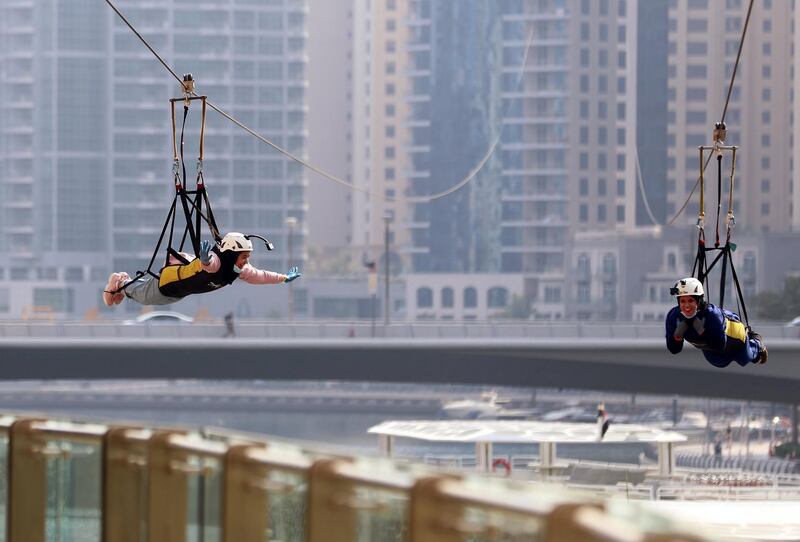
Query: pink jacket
column 249, row 274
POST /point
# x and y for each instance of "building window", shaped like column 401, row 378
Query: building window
column 497, row 297
column 609, row 264
column 5, row 299
column 424, row 297
column 470, row 298
column 59, row 299
column 584, row 265
column 584, row 292
column 552, row 294
column 609, row 292
column 447, row 298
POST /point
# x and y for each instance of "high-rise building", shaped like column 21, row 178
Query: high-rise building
column 381, row 105
column 330, row 102
column 603, row 114
column 87, row 155
column 795, row 157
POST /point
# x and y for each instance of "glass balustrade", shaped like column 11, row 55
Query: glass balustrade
column 65, row 481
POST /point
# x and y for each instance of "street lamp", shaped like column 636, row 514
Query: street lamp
column 387, row 217
column 291, row 222
column 775, row 422
column 372, row 287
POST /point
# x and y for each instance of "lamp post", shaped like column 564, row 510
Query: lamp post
column 775, row 421
column 387, row 301
column 372, row 287
column 291, row 222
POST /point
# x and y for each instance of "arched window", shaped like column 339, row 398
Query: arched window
column 470, row 298
column 448, row 298
column 497, row 297
column 424, row 297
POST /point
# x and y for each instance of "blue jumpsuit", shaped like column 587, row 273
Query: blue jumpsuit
column 719, row 333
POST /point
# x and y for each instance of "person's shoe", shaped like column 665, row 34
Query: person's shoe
column 762, row 350
column 119, row 297
column 110, row 294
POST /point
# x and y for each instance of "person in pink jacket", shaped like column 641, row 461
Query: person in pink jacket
column 215, row 267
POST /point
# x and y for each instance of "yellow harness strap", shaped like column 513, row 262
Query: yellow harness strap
column 736, row 330
column 174, row 273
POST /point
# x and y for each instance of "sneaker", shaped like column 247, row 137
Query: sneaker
column 762, row 355
column 762, row 350
column 110, row 294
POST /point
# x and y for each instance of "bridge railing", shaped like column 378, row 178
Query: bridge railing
column 67, row 480
column 335, row 330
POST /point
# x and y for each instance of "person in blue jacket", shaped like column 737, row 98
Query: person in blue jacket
column 719, row 333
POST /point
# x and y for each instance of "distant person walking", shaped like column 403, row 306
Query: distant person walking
column 230, row 331
column 602, row 421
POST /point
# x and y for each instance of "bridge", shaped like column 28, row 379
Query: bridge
column 630, row 365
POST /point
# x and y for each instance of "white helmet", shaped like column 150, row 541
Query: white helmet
column 687, row 286
column 235, row 242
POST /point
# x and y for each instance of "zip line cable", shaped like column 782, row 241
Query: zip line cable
column 308, row 165
column 736, row 64
column 724, row 112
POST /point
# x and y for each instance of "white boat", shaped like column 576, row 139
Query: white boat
column 472, row 409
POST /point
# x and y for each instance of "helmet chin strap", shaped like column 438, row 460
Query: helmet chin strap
column 691, row 315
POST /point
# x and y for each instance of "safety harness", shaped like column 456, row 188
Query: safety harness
column 701, row 267
column 192, row 202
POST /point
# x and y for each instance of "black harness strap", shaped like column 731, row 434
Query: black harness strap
column 191, row 202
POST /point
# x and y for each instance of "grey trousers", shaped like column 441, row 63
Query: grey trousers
column 145, row 291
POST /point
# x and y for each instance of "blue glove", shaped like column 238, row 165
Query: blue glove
column 205, row 252
column 292, row 274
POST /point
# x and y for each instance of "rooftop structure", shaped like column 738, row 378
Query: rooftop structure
column 485, row 433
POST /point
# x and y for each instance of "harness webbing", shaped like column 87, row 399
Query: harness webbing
column 701, row 268
column 191, row 201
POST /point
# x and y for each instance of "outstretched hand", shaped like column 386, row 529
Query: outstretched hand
column 293, row 274
column 205, row 252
